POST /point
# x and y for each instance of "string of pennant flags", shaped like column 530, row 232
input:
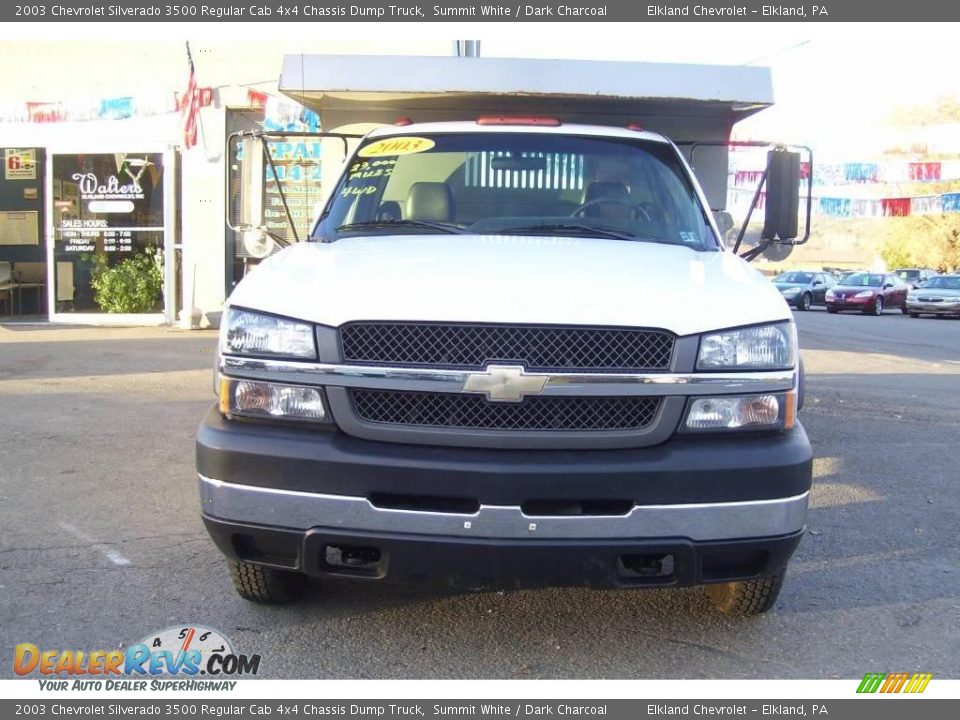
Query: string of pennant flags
column 740, row 197
column 863, row 197
column 279, row 113
column 869, row 173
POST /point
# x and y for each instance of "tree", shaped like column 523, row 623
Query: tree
column 929, row 241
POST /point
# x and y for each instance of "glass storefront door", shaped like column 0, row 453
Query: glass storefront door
column 110, row 231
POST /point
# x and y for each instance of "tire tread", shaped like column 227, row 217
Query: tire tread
column 746, row 597
column 264, row 585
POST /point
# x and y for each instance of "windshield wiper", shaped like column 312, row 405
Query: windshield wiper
column 580, row 229
column 387, row 224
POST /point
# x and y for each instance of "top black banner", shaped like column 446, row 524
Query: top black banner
column 467, row 10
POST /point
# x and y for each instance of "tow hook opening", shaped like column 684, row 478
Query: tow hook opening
column 642, row 567
column 363, row 560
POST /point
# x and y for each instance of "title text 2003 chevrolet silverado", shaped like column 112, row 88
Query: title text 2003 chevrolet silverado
column 514, row 354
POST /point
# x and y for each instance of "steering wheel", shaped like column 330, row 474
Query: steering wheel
column 636, row 209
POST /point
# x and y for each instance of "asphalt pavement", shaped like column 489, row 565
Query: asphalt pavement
column 101, row 541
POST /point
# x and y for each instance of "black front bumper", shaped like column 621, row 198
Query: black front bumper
column 465, row 563
column 692, row 469
column 304, row 464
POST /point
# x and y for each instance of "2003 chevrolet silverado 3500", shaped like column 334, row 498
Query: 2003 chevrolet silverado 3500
column 515, row 353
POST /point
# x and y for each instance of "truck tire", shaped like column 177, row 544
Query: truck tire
column 746, row 597
column 267, row 586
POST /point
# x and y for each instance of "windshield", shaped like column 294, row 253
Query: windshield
column 944, row 282
column 517, row 184
column 795, row 277
column 864, row 280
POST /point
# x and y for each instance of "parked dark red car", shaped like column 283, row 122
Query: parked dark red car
column 869, row 293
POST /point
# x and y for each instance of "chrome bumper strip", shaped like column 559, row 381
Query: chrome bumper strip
column 696, row 521
column 443, row 380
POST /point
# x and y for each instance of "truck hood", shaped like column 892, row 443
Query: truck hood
column 514, row 279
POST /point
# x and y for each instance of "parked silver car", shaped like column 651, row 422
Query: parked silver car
column 939, row 296
column 915, row 277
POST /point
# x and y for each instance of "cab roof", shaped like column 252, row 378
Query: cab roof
column 507, row 127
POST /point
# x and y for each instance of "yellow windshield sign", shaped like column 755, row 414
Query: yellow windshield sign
column 396, row 146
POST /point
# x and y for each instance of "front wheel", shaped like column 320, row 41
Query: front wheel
column 264, row 585
column 746, row 597
column 804, row 302
column 914, row 315
column 903, row 309
column 876, row 308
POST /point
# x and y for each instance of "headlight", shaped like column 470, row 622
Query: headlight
column 830, row 294
column 252, row 398
column 248, row 333
column 790, row 290
column 911, row 296
column 764, row 347
column 746, row 412
column 864, row 293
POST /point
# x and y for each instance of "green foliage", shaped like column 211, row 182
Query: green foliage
column 926, row 241
column 896, row 254
column 132, row 285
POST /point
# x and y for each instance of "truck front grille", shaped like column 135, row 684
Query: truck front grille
column 465, row 411
column 541, row 348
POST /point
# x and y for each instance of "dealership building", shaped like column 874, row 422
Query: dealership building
column 99, row 184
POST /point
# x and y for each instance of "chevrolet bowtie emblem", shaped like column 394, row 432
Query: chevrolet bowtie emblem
column 505, row 383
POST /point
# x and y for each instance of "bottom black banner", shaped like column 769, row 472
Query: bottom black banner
column 865, row 708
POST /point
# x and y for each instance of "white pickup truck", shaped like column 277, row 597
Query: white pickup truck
column 514, row 353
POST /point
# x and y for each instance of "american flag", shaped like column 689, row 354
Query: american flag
column 189, row 107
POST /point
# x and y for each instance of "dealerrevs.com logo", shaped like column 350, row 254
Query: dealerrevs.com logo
column 188, row 652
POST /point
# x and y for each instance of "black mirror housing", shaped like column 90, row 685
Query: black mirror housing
column 781, row 215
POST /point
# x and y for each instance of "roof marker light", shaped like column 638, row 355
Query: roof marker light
column 536, row 120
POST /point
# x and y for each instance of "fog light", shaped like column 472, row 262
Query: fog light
column 251, row 398
column 716, row 413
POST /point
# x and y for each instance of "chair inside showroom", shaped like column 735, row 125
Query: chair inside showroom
column 608, row 201
column 430, row 202
column 31, row 276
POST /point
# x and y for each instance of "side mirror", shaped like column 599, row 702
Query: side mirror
column 818, row 283
column 252, row 185
column 782, row 209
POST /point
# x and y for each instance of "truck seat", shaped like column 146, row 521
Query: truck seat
column 617, row 210
column 430, row 202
